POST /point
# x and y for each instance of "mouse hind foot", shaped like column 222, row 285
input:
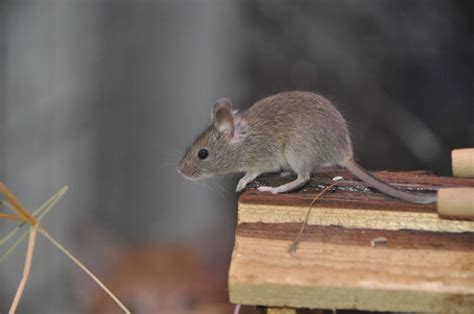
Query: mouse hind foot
column 290, row 186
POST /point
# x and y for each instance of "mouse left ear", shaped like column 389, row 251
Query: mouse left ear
column 221, row 103
column 222, row 117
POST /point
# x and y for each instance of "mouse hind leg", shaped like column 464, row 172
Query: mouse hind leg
column 298, row 166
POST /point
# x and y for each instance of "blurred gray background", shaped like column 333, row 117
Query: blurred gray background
column 104, row 96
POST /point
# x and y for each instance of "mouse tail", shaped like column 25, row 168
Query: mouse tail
column 386, row 188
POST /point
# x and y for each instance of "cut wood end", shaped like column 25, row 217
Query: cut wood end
column 463, row 162
column 456, row 202
column 281, row 310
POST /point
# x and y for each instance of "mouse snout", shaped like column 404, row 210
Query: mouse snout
column 181, row 168
column 187, row 170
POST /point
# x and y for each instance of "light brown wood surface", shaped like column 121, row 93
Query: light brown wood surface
column 352, row 218
column 327, row 275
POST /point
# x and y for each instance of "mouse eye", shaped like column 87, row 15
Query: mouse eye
column 203, row 153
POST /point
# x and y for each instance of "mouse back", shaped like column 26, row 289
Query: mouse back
column 302, row 122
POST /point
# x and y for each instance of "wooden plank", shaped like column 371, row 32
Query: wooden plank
column 401, row 239
column 326, row 274
column 351, row 218
column 353, row 205
column 354, row 193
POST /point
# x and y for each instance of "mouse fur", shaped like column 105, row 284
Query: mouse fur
column 294, row 131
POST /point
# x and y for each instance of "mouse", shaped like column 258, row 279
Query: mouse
column 293, row 131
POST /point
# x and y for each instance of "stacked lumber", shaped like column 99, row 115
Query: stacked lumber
column 361, row 249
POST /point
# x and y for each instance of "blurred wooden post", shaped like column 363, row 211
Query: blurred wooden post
column 463, row 162
column 424, row 264
column 456, row 202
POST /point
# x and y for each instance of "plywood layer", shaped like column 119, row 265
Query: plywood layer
column 353, row 206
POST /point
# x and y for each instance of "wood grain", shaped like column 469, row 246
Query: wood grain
column 400, row 239
column 327, row 275
column 381, row 219
column 353, row 193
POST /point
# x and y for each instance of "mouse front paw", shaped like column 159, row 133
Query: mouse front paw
column 240, row 187
column 246, row 180
column 268, row 189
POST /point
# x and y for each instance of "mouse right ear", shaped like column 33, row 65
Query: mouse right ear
column 221, row 103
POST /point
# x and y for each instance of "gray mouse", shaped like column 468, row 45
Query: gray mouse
column 292, row 131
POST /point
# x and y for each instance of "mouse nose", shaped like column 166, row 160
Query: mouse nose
column 181, row 168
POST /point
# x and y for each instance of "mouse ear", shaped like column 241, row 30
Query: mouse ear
column 223, row 119
column 221, row 103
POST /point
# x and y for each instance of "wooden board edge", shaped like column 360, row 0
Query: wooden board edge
column 351, row 218
column 347, row 298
